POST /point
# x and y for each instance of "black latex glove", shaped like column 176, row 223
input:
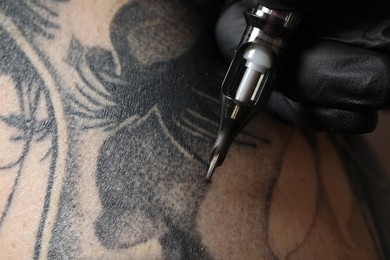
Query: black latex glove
column 338, row 76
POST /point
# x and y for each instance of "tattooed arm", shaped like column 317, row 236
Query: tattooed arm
column 108, row 110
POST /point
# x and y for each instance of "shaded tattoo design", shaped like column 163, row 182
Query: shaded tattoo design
column 154, row 96
column 150, row 169
column 158, row 111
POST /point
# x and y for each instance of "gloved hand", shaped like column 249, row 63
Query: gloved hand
column 338, row 75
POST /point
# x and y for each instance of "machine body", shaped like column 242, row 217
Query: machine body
column 252, row 74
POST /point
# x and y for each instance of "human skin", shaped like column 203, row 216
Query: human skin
column 108, row 111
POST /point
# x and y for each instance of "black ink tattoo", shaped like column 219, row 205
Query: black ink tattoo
column 159, row 115
column 21, row 22
column 33, row 17
column 155, row 97
column 165, row 111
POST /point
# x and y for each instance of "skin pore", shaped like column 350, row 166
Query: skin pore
column 108, row 111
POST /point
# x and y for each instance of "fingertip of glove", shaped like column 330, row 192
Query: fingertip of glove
column 320, row 118
column 363, row 123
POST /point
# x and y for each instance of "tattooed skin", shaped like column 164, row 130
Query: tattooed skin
column 139, row 189
column 107, row 117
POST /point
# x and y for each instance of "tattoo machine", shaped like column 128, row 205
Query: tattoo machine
column 252, row 74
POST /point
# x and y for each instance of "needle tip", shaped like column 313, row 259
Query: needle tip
column 212, row 166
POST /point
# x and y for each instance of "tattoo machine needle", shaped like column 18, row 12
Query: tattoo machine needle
column 252, row 74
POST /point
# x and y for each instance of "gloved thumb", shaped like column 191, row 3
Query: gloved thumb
column 229, row 29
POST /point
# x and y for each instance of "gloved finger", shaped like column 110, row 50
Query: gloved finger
column 229, row 29
column 321, row 118
column 331, row 74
